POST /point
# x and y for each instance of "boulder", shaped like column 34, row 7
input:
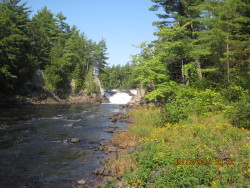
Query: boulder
column 110, row 130
column 131, row 150
column 113, row 119
column 75, row 140
column 112, row 149
column 99, row 171
column 81, row 182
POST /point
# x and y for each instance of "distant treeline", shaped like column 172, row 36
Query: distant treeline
column 47, row 44
column 119, row 77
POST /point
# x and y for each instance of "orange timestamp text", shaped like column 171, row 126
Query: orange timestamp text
column 225, row 161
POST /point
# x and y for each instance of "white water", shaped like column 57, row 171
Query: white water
column 133, row 91
column 119, row 96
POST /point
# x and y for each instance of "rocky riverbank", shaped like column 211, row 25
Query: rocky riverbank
column 117, row 159
column 53, row 100
column 116, row 149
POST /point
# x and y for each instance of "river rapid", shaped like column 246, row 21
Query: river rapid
column 35, row 147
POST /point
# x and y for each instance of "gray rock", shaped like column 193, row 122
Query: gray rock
column 81, row 182
column 75, row 140
column 110, row 130
column 106, row 172
column 115, row 144
column 131, row 150
column 113, row 119
column 126, row 120
column 112, row 149
column 99, row 171
column 103, row 143
column 110, row 157
column 100, row 148
column 113, row 126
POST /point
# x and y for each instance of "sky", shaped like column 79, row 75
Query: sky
column 122, row 23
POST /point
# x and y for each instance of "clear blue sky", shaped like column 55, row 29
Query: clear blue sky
column 122, row 23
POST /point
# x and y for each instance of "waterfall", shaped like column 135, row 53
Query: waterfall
column 119, row 96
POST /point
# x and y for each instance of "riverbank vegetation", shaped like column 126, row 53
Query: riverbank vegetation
column 43, row 52
column 205, row 151
column 197, row 73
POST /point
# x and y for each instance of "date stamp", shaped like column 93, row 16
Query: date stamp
column 226, row 161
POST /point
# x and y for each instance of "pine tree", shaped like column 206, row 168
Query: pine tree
column 44, row 34
column 181, row 15
column 228, row 21
column 16, row 67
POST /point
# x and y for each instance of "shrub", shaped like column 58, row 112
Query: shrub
column 239, row 112
column 233, row 93
column 188, row 101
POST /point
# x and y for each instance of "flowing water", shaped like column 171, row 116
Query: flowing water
column 119, row 96
column 34, row 143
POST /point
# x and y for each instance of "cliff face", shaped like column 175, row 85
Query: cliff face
column 139, row 97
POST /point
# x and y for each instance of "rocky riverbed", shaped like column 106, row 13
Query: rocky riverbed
column 113, row 149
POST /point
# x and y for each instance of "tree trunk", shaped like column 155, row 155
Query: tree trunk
column 185, row 78
column 198, row 67
column 227, row 63
column 182, row 72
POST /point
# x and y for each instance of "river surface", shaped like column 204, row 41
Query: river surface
column 34, row 151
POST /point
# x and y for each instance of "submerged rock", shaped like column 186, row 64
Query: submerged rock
column 81, row 182
column 75, row 140
column 113, row 119
column 110, row 130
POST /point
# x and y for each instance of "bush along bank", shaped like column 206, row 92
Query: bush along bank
column 205, row 151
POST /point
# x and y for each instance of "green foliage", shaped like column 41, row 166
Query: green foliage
column 163, row 93
column 239, row 112
column 205, row 138
column 15, row 57
column 56, row 78
column 90, row 85
column 234, row 93
column 120, row 77
column 45, row 43
column 44, row 31
column 186, row 101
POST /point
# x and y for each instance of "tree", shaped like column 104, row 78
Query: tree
column 16, row 67
column 181, row 15
column 227, row 21
column 152, row 73
column 100, row 55
column 44, row 32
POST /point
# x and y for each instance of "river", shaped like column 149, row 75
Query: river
column 35, row 150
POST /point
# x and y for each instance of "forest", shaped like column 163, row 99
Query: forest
column 200, row 59
column 43, row 51
column 196, row 75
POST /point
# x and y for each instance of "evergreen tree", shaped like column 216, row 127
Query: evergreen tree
column 16, row 67
column 228, row 22
column 44, row 34
column 181, row 15
column 101, row 55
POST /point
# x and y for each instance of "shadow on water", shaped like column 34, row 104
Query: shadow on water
column 34, row 143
